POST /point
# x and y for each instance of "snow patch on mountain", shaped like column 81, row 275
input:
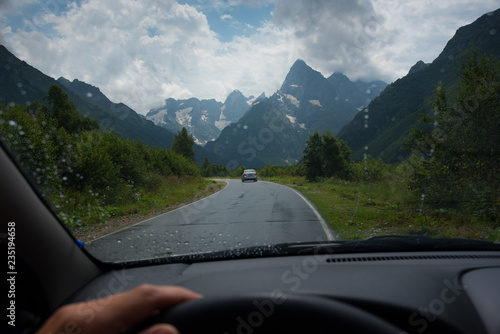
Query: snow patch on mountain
column 293, row 100
column 199, row 142
column 222, row 122
column 184, row 117
column 251, row 101
column 293, row 120
column 158, row 118
column 316, row 103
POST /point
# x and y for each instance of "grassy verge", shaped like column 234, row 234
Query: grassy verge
column 169, row 194
column 172, row 191
column 358, row 211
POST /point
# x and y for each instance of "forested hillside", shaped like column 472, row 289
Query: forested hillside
column 82, row 169
column 380, row 129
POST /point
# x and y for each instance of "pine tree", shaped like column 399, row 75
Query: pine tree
column 183, row 144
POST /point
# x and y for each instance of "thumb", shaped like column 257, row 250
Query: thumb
column 160, row 329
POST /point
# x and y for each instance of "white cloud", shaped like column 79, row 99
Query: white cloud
column 378, row 39
column 255, row 3
column 109, row 44
column 226, row 17
column 142, row 52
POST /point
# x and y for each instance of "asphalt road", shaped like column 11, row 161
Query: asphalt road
column 243, row 214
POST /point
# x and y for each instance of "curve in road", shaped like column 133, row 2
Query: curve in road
column 243, row 214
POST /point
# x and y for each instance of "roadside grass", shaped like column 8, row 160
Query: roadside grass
column 169, row 192
column 166, row 194
column 358, row 210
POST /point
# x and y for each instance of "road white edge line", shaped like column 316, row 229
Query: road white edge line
column 324, row 225
column 329, row 235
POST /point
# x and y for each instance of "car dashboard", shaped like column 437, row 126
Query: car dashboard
column 417, row 292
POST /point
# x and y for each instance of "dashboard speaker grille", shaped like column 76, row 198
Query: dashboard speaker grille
column 408, row 257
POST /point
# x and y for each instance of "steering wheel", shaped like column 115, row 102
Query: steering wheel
column 265, row 313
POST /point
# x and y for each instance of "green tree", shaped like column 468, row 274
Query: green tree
column 325, row 155
column 313, row 156
column 206, row 168
column 28, row 137
column 128, row 155
column 337, row 156
column 64, row 112
column 239, row 171
column 94, row 163
column 183, row 144
column 462, row 143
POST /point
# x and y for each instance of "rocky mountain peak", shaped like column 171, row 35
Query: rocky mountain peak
column 300, row 74
column 419, row 66
column 235, row 95
column 85, row 89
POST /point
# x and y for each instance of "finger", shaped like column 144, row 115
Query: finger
column 160, row 329
column 131, row 307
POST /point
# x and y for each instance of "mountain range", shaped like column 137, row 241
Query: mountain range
column 275, row 131
column 203, row 119
column 306, row 101
column 22, row 84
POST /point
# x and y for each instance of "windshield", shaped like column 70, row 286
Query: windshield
column 158, row 129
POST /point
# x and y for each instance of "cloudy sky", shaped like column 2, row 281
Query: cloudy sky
column 142, row 52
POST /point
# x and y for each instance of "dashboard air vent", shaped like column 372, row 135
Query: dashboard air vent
column 408, row 257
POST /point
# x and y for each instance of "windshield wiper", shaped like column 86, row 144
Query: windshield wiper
column 388, row 243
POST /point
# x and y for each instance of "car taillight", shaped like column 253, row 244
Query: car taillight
column 244, row 175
